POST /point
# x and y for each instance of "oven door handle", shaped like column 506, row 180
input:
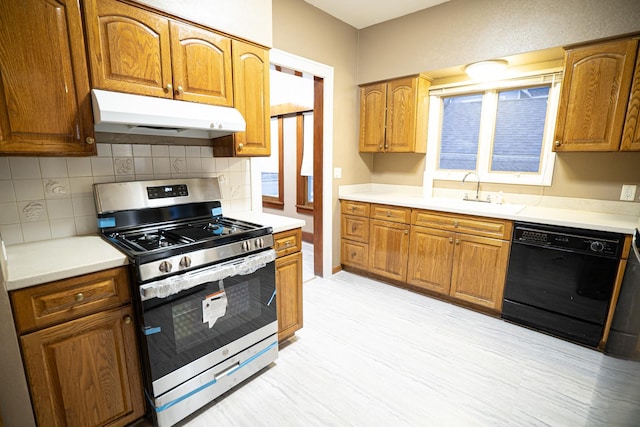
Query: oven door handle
column 175, row 284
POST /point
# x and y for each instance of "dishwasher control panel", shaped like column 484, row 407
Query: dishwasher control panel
column 573, row 239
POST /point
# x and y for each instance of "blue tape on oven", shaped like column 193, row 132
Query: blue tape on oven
column 216, row 211
column 106, row 222
column 150, row 331
column 212, row 382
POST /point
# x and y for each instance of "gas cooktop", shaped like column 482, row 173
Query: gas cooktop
column 207, row 230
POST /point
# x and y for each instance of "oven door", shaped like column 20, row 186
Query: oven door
column 212, row 314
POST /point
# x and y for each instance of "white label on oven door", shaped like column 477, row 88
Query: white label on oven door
column 214, row 306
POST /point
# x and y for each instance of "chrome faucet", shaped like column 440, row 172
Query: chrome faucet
column 477, row 199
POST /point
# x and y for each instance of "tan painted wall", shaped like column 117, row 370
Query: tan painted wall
column 465, row 31
column 247, row 19
column 303, row 30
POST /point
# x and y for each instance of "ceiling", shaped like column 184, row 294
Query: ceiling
column 363, row 13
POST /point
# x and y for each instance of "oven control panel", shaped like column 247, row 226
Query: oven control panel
column 166, row 191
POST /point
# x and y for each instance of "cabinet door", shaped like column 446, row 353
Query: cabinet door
column 631, row 131
column 85, row 372
column 201, row 65
column 373, row 104
column 401, row 115
column 595, row 91
column 479, row 270
column 354, row 228
column 251, row 98
column 129, row 49
column 388, row 249
column 289, row 294
column 430, row 259
column 45, row 103
column 354, row 254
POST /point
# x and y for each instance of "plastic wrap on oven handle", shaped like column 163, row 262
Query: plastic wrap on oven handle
column 174, row 284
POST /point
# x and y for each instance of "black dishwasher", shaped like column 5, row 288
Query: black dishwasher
column 560, row 280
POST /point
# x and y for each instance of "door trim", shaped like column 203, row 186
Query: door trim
column 325, row 72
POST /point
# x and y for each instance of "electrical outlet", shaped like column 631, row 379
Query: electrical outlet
column 628, row 193
column 337, row 173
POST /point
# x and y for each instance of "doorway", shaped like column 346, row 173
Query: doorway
column 323, row 155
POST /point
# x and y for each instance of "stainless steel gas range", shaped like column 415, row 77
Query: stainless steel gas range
column 203, row 289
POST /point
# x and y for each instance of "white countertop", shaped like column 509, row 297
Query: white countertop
column 44, row 261
column 34, row 263
column 571, row 213
column 277, row 222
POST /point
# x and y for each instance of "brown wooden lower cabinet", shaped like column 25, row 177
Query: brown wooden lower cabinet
column 288, row 247
column 388, row 248
column 461, row 256
column 289, row 294
column 83, row 371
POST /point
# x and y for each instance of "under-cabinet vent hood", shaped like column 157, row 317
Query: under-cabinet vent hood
column 118, row 112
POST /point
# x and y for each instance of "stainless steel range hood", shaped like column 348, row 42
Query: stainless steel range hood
column 118, row 112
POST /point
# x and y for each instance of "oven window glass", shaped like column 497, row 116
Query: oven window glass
column 189, row 325
column 190, row 328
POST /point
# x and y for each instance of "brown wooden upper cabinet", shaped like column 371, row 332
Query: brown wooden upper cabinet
column 600, row 99
column 251, row 93
column 45, row 106
column 394, row 116
column 137, row 51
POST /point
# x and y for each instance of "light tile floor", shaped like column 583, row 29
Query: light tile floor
column 371, row 354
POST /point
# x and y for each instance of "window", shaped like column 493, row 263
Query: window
column 272, row 168
column 502, row 132
column 304, row 188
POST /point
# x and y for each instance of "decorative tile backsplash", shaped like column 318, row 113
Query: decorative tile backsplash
column 44, row 198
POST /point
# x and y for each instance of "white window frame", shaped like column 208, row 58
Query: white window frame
column 487, row 128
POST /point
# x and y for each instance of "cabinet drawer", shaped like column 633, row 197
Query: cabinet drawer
column 479, row 226
column 354, row 254
column 287, row 242
column 391, row 213
column 355, row 228
column 354, row 208
column 55, row 302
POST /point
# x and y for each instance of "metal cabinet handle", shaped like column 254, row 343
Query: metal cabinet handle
column 90, row 140
column 457, row 241
column 450, row 239
column 557, row 143
column 240, row 147
column 388, row 213
column 180, row 90
column 169, row 87
column 127, row 320
column 455, row 224
column 406, row 231
column 79, row 297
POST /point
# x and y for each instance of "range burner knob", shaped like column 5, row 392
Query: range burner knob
column 259, row 242
column 185, row 262
column 165, row 267
column 246, row 245
column 597, row 246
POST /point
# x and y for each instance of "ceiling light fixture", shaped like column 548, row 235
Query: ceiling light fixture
column 486, row 70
